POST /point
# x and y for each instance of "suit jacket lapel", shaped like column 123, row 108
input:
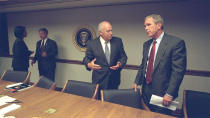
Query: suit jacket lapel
column 39, row 44
column 161, row 51
column 147, row 49
column 46, row 43
column 100, row 49
column 112, row 49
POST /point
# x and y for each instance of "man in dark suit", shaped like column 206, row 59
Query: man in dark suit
column 46, row 52
column 20, row 58
column 106, row 57
column 163, row 65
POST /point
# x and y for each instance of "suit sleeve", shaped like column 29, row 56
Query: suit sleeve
column 140, row 76
column 178, row 67
column 88, row 55
column 29, row 52
column 36, row 56
column 54, row 50
column 18, row 50
column 123, row 57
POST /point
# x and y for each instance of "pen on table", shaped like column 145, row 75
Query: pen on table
column 16, row 101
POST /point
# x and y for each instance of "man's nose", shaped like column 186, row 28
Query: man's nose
column 145, row 28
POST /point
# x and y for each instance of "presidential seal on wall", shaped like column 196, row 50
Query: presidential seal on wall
column 81, row 35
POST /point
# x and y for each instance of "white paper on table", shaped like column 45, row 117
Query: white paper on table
column 9, row 108
column 1, row 115
column 12, row 85
column 16, row 85
column 157, row 100
column 5, row 99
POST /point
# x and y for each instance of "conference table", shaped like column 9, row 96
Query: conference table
column 36, row 101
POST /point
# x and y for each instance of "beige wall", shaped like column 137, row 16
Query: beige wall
column 188, row 20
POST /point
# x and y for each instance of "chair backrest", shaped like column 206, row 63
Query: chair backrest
column 46, row 83
column 196, row 104
column 127, row 97
column 79, row 88
column 16, row 76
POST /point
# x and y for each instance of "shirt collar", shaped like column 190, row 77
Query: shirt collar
column 45, row 40
column 158, row 40
column 102, row 40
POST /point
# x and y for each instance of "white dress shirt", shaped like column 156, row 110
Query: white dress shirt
column 103, row 44
column 158, row 40
column 45, row 40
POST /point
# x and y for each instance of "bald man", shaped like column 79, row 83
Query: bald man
column 106, row 57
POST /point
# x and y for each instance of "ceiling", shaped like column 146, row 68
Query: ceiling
column 31, row 5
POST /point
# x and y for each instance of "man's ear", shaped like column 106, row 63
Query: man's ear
column 159, row 25
column 100, row 33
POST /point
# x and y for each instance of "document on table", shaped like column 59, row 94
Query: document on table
column 157, row 100
column 9, row 108
column 17, row 87
column 12, row 85
column 5, row 99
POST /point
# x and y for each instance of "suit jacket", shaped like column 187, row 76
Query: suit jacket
column 169, row 67
column 49, row 62
column 105, row 75
column 20, row 54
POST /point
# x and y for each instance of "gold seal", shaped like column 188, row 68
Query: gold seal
column 81, row 35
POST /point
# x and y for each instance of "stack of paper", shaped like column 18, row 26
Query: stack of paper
column 157, row 100
column 5, row 99
column 9, row 109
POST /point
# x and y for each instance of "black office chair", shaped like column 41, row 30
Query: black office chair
column 46, row 83
column 79, row 88
column 16, row 76
column 127, row 97
column 196, row 104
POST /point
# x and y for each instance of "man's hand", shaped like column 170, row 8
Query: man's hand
column 167, row 100
column 32, row 52
column 94, row 66
column 44, row 54
column 134, row 86
column 116, row 66
column 32, row 63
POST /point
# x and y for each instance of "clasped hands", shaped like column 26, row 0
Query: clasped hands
column 44, row 54
column 94, row 66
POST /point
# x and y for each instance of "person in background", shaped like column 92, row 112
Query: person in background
column 46, row 52
column 20, row 58
column 163, row 64
column 106, row 57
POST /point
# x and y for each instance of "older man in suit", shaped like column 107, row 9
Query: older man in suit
column 163, row 65
column 106, row 57
column 46, row 51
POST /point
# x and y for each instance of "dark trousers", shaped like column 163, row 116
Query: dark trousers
column 106, row 87
column 146, row 95
column 106, row 84
column 49, row 73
